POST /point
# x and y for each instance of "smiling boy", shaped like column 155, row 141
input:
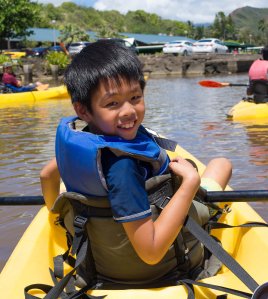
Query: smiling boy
column 114, row 155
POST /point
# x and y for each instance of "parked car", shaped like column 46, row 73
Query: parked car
column 126, row 43
column 209, row 45
column 55, row 48
column 37, row 52
column 76, row 47
column 182, row 47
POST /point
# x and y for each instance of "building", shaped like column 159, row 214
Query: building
column 42, row 35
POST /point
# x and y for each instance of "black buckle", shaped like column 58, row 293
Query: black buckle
column 80, row 221
column 164, row 202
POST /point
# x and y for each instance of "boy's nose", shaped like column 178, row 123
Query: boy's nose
column 127, row 109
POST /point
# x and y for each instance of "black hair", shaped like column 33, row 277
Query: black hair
column 265, row 52
column 101, row 61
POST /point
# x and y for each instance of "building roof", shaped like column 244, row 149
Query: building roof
column 48, row 34
column 43, row 34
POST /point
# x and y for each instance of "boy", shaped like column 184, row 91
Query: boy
column 106, row 85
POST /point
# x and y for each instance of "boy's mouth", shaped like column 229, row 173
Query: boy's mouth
column 127, row 125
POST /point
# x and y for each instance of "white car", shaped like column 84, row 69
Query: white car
column 76, row 47
column 182, row 47
column 209, row 45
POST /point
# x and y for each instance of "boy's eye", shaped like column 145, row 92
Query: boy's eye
column 136, row 98
column 111, row 104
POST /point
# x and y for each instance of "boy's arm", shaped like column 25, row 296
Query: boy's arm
column 151, row 240
column 50, row 182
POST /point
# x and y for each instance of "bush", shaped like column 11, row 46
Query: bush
column 57, row 58
column 4, row 58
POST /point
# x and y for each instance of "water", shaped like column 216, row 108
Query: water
column 178, row 108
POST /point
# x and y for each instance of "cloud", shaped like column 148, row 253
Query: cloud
column 195, row 11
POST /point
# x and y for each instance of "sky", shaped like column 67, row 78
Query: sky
column 196, row 11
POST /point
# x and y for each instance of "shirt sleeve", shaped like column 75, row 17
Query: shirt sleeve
column 126, row 188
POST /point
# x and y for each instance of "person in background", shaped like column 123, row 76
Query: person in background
column 11, row 81
column 258, row 78
column 235, row 51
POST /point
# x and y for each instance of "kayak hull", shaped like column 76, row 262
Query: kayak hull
column 59, row 92
column 43, row 240
column 245, row 110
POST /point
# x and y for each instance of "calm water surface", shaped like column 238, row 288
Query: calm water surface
column 177, row 107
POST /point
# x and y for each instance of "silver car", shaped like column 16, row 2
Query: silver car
column 76, row 47
column 209, row 45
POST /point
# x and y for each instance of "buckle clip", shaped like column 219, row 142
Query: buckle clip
column 164, row 202
column 80, row 221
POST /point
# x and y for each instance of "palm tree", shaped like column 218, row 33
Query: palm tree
column 71, row 33
column 262, row 28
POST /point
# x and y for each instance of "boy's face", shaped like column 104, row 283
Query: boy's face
column 117, row 110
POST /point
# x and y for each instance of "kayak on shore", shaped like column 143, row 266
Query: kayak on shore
column 44, row 239
column 248, row 110
column 58, row 92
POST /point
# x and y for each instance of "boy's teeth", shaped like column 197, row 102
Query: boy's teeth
column 129, row 125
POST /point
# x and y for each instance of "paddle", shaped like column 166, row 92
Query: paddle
column 42, row 87
column 215, row 84
column 21, row 200
column 206, row 196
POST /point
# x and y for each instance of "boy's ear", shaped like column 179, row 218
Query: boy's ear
column 82, row 112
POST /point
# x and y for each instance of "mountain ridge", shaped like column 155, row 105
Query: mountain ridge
column 248, row 18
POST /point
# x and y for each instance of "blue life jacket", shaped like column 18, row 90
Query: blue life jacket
column 78, row 155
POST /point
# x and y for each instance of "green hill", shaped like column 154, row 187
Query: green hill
column 247, row 24
column 248, row 18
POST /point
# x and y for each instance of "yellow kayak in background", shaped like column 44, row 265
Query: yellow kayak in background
column 44, row 239
column 247, row 110
column 59, row 92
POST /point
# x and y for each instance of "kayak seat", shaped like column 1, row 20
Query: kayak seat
column 260, row 91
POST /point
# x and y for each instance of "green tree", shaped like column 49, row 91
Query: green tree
column 71, row 33
column 199, row 32
column 141, row 22
column 223, row 26
column 16, row 17
column 190, row 29
column 107, row 31
column 48, row 13
column 115, row 18
column 262, row 27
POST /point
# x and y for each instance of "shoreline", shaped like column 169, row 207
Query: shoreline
column 196, row 65
column 161, row 65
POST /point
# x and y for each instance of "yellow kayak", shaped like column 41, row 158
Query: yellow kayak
column 59, row 92
column 31, row 259
column 245, row 110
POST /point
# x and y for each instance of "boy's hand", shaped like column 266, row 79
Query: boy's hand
column 184, row 169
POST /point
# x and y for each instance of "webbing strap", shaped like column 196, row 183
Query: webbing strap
column 58, row 290
column 220, row 253
column 217, row 225
column 214, row 287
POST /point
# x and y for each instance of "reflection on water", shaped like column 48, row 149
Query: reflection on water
column 177, row 107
